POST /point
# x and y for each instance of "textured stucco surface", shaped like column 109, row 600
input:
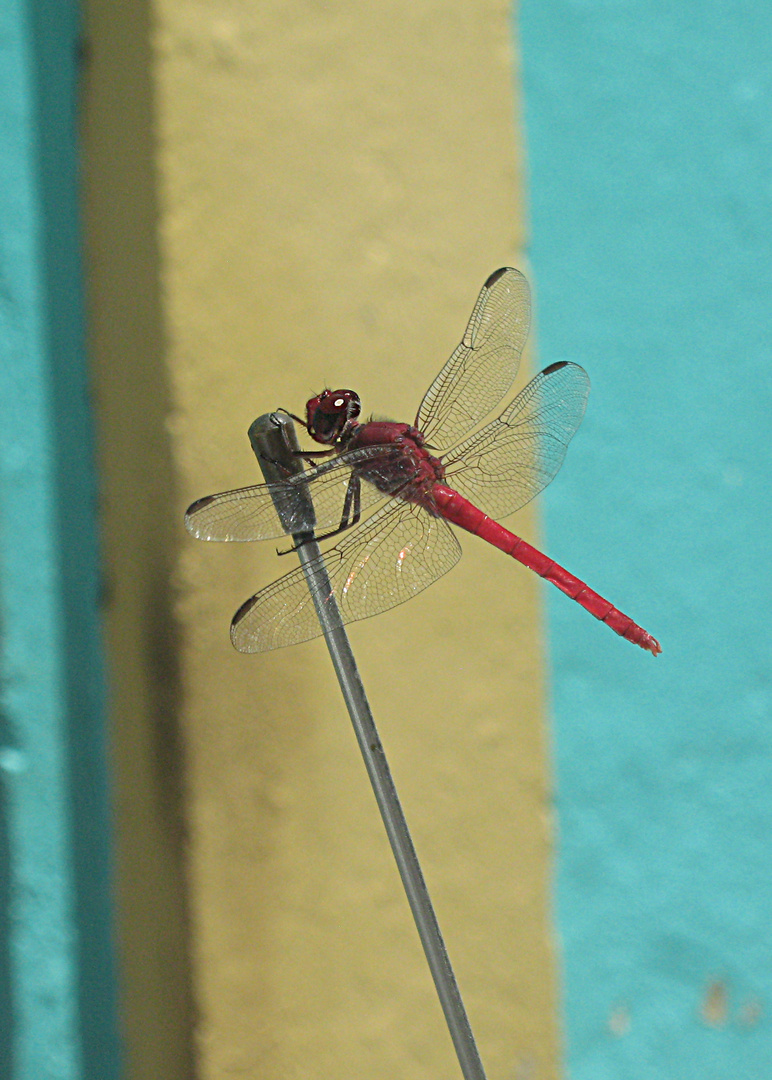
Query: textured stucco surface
column 126, row 345
column 336, row 182
column 57, row 1008
column 649, row 134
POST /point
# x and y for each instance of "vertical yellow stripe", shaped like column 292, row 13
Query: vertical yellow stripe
column 336, row 182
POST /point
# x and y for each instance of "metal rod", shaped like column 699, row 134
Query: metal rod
column 275, row 443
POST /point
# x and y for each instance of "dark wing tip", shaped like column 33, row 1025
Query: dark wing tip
column 236, row 621
column 194, row 508
column 243, row 611
column 497, row 275
column 556, row 366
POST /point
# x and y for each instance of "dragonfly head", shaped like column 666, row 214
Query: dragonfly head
column 331, row 414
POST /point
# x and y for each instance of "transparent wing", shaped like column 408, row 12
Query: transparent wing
column 395, row 555
column 484, row 365
column 250, row 513
column 513, row 458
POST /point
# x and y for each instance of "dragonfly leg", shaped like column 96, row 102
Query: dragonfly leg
column 352, row 508
column 309, row 456
column 352, row 511
column 278, row 465
column 292, row 416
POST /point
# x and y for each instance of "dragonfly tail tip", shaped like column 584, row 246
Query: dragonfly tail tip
column 652, row 645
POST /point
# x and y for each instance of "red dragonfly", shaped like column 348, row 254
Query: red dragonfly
column 407, row 544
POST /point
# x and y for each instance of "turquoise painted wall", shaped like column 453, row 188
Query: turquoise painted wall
column 649, row 131
column 57, row 997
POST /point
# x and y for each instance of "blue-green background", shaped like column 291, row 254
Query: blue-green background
column 58, row 1017
column 649, row 141
column 649, row 132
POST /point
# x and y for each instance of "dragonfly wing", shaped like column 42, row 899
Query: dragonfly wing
column 394, row 555
column 248, row 513
column 513, row 458
column 483, row 367
column 252, row 513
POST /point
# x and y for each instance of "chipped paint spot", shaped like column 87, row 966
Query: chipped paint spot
column 619, row 1021
column 750, row 1013
column 715, row 1004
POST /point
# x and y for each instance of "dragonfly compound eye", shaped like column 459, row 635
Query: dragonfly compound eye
column 330, row 413
column 341, row 402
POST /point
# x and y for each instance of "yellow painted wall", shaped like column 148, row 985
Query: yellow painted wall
column 325, row 190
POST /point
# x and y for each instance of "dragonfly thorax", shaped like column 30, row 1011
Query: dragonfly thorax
column 331, row 415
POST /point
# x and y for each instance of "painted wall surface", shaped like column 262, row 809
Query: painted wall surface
column 57, row 999
column 649, row 133
column 332, row 185
column 141, row 534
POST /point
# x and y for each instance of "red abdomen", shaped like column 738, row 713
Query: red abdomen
column 460, row 511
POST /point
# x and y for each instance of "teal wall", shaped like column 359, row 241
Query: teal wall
column 649, row 128
column 649, row 135
column 57, row 1001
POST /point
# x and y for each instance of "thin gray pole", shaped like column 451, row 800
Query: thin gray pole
column 275, row 443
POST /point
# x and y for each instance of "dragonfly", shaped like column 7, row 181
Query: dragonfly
column 407, row 543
